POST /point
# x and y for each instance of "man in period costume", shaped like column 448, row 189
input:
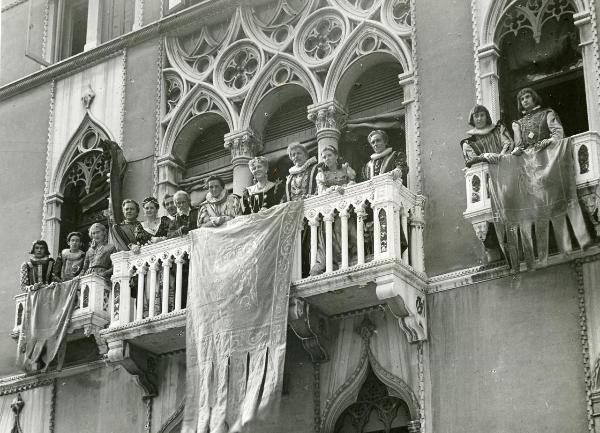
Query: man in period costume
column 485, row 140
column 37, row 271
column 186, row 218
column 384, row 159
column 169, row 206
column 218, row 207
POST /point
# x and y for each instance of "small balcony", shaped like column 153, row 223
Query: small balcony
column 586, row 156
column 90, row 314
column 370, row 238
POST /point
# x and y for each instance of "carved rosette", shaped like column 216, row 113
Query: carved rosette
column 327, row 116
column 395, row 14
column 243, row 146
column 237, row 67
column 320, row 37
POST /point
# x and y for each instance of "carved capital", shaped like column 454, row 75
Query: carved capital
column 310, row 326
column 406, row 303
column 137, row 362
column 243, row 145
column 481, row 230
column 327, row 116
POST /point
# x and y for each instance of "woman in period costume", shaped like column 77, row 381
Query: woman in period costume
column 37, row 272
column 538, row 128
column 384, row 159
column 301, row 180
column 218, row 207
column 264, row 193
column 485, row 140
column 123, row 234
column 70, row 260
column 97, row 258
column 154, row 228
column 333, row 176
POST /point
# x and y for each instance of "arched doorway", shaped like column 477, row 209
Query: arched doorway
column 539, row 48
column 374, row 411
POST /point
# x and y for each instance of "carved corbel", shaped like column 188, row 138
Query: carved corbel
column 310, row 326
column 406, row 303
column 590, row 201
column 16, row 407
column 94, row 330
column 137, row 362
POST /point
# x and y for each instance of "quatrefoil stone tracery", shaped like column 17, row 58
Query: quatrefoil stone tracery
column 237, row 68
column 320, row 37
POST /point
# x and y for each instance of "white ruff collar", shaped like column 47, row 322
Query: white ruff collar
column 255, row 189
column 386, row 152
column 296, row 170
column 222, row 196
column 481, row 131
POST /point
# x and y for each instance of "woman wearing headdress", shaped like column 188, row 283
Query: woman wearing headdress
column 154, row 228
column 97, row 258
column 70, row 260
column 264, row 193
column 333, row 175
column 539, row 127
column 485, row 140
column 37, row 272
column 300, row 182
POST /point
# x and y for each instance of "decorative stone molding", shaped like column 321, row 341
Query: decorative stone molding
column 275, row 30
column 396, row 15
column 320, row 36
column 358, row 9
column 137, row 362
column 244, row 145
column 310, row 326
column 236, row 68
column 327, row 116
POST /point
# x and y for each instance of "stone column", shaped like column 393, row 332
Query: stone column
column 93, row 36
column 170, row 172
column 590, row 70
column 488, row 74
column 329, row 118
column 51, row 233
column 407, row 82
column 243, row 145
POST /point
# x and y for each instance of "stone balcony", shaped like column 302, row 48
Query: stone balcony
column 586, row 156
column 371, row 238
column 90, row 315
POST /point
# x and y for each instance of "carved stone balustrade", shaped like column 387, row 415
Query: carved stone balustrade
column 586, row 156
column 90, row 315
column 378, row 226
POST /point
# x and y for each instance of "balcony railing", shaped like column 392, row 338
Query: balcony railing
column 586, row 156
column 377, row 224
column 90, row 314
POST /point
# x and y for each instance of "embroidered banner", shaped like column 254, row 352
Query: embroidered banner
column 531, row 191
column 45, row 321
column 237, row 318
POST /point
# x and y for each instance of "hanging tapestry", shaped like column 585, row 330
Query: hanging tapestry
column 46, row 318
column 237, row 319
column 531, row 191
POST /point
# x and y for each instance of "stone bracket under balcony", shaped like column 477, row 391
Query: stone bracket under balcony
column 136, row 361
column 383, row 281
column 311, row 327
column 586, row 157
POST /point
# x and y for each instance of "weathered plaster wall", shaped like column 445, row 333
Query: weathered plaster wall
column 140, row 126
column 23, row 138
column 445, row 62
column 102, row 400
column 13, row 63
column 506, row 355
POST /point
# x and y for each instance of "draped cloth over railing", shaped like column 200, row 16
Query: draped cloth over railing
column 46, row 318
column 529, row 192
column 237, row 319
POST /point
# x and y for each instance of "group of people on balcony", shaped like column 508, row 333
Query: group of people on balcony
column 534, row 131
column 306, row 178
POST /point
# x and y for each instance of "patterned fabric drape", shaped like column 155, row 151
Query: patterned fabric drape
column 531, row 191
column 237, row 317
column 45, row 321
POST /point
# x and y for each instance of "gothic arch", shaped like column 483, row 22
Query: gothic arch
column 282, row 71
column 496, row 12
column 85, row 139
column 346, row 394
column 370, row 41
column 201, row 99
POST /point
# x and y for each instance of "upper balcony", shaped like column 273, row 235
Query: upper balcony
column 586, row 157
column 371, row 236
